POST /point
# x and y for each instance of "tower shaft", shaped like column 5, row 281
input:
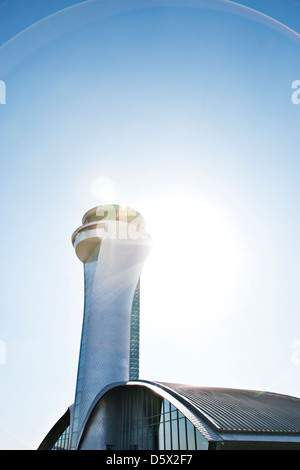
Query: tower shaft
column 113, row 254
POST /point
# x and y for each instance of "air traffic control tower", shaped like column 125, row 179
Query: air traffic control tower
column 114, row 409
column 113, row 246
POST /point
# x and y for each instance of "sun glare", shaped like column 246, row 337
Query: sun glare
column 103, row 190
column 195, row 264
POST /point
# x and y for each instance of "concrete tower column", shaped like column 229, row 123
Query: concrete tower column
column 113, row 246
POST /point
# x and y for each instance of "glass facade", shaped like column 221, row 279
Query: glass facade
column 146, row 421
column 150, row 422
column 62, row 442
column 58, row 437
column 176, row 432
column 135, row 336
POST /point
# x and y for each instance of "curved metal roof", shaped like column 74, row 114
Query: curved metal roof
column 238, row 410
column 217, row 412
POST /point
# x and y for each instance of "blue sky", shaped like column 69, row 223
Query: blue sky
column 186, row 115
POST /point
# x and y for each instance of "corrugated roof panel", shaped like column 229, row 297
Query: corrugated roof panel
column 242, row 410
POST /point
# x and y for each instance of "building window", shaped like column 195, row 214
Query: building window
column 153, row 423
column 63, row 441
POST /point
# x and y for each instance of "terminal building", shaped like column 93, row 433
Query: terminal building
column 113, row 409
